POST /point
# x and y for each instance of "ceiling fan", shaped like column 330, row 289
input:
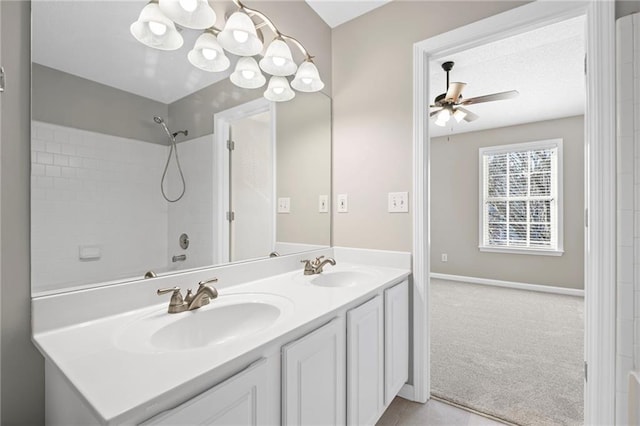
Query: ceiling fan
column 450, row 104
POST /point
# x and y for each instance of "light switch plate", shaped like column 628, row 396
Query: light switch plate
column 398, row 202
column 343, row 203
column 284, row 205
column 323, row 204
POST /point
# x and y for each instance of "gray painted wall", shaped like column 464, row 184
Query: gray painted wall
column 68, row 100
column 22, row 365
column 454, row 212
column 627, row 7
column 303, row 168
column 373, row 112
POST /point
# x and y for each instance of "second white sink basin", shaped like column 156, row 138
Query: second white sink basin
column 225, row 319
column 341, row 278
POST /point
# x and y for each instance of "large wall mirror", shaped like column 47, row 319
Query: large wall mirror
column 111, row 198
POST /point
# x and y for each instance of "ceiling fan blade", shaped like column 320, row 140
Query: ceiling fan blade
column 488, row 98
column 435, row 112
column 454, row 91
column 469, row 115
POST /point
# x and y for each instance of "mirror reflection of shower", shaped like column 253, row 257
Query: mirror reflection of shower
column 173, row 148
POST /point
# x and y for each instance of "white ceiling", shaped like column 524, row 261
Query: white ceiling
column 545, row 65
column 336, row 12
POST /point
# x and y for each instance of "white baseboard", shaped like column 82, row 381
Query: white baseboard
column 510, row 284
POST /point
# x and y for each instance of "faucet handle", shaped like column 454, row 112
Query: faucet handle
column 205, row 282
column 176, row 304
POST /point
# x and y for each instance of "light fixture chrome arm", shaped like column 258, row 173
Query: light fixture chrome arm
column 265, row 19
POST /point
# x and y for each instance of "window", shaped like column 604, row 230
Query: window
column 521, row 198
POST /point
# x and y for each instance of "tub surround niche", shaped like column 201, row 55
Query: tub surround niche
column 90, row 364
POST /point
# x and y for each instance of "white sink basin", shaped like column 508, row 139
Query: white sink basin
column 341, row 278
column 226, row 319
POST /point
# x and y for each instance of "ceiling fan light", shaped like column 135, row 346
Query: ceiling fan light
column 247, row 74
column 307, row 78
column 239, row 36
column 207, row 54
column 277, row 59
column 279, row 90
column 196, row 14
column 155, row 30
column 459, row 115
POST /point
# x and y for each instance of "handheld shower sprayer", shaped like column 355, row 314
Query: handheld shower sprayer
column 173, row 147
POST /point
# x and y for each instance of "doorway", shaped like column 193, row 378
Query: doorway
column 599, row 192
column 245, row 189
column 507, row 247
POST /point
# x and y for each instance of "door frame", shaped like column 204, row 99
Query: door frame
column 221, row 125
column 600, row 186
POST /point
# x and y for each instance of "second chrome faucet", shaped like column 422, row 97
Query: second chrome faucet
column 312, row 267
column 191, row 301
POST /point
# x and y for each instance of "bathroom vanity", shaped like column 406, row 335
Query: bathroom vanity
column 276, row 346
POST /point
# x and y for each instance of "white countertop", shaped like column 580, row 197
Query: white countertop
column 122, row 383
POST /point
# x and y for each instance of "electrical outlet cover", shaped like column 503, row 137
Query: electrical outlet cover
column 398, row 202
column 343, row 203
column 323, row 204
column 284, row 205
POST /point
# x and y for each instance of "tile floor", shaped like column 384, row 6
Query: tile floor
column 434, row 413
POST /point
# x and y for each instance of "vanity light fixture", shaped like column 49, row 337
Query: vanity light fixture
column 240, row 36
column 155, row 30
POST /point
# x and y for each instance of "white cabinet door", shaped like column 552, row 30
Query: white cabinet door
column 239, row 400
column 396, row 348
column 365, row 363
column 313, row 382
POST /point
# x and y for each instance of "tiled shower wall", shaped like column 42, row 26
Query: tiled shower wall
column 96, row 192
column 628, row 164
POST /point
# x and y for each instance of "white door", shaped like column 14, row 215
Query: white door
column 396, row 342
column 365, row 363
column 240, row 400
column 251, row 187
column 313, row 377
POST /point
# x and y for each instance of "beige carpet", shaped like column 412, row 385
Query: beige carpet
column 513, row 354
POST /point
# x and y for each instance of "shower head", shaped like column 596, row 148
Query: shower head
column 158, row 120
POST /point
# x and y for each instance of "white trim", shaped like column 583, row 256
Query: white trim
column 600, row 241
column 510, row 284
column 514, row 250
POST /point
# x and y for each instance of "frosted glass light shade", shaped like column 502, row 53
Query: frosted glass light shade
column 277, row 59
column 239, row 36
column 247, row 74
column 307, row 78
column 155, row 30
column 207, row 54
column 459, row 115
column 279, row 90
column 442, row 117
column 196, row 14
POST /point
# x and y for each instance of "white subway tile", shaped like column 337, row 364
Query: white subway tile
column 60, row 135
column 68, row 149
column 53, row 147
column 75, row 162
column 60, row 160
column 44, row 182
column 37, row 170
column 44, row 133
column 38, row 145
column 53, row 171
column 625, row 296
column 44, row 158
column 69, row 172
column 624, row 338
column 625, row 264
column 90, row 163
column 625, row 228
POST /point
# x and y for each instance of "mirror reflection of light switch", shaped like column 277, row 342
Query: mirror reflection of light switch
column 284, row 205
column 323, row 204
column 343, row 203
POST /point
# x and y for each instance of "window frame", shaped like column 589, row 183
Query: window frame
column 558, row 197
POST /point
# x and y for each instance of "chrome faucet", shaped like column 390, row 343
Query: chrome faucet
column 191, row 301
column 312, row 267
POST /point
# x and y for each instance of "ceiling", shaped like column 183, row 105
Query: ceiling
column 546, row 66
column 336, row 12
